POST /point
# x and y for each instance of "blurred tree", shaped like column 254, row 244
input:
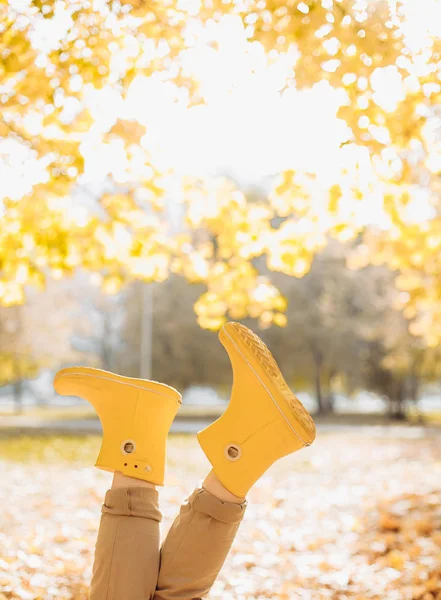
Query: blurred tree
column 98, row 319
column 398, row 364
column 333, row 313
column 183, row 354
column 347, row 327
column 16, row 361
column 35, row 336
column 345, row 333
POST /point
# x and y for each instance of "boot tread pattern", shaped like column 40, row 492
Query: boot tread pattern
column 261, row 353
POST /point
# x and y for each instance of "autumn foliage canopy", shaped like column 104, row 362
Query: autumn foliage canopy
column 379, row 192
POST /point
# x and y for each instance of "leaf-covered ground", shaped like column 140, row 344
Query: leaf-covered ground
column 356, row 516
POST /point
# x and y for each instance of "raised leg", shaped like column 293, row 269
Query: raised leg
column 127, row 550
column 263, row 422
column 198, row 542
column 136, row 415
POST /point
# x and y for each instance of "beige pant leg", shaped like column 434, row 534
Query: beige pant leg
column 127, row 549
column 196, row 546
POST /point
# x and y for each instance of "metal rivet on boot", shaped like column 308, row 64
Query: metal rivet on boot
column 147, row 468
column 232, row 452
column 128, row 446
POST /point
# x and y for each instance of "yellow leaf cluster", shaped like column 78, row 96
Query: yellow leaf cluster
column 236, row 290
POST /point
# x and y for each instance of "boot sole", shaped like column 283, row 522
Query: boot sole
column 151, row 386
column 262, row 364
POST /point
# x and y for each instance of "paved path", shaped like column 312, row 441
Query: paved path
column 81, row 426
column 35, row 425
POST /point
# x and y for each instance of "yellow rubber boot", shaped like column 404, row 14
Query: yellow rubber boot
column 135, row 414
column 264, row 420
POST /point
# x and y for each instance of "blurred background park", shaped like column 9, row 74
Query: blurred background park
column 168, row 166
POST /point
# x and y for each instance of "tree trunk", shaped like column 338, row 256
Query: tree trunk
column 318, row 391
column 414, row 395
column 18, row 397
column 330, row 392
column 318, row 361
column 396, row 404
column 106, row 354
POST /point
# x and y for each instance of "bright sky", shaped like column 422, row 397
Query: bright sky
column 247, row 128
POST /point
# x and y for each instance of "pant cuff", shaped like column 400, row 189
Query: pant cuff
column 133, row 501
column 226, row 512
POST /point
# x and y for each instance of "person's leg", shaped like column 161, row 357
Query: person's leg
column 136, row 416
column 198, row 542
column 263, row 422
column 127, row 550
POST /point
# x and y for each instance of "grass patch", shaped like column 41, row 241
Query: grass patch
column 52, row 413
column 50, row 449
column 73, row 449
column 61, row 413
column 427, row 418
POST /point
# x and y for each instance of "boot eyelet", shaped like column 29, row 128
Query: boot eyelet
column 128, row 446
column 232, row 452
